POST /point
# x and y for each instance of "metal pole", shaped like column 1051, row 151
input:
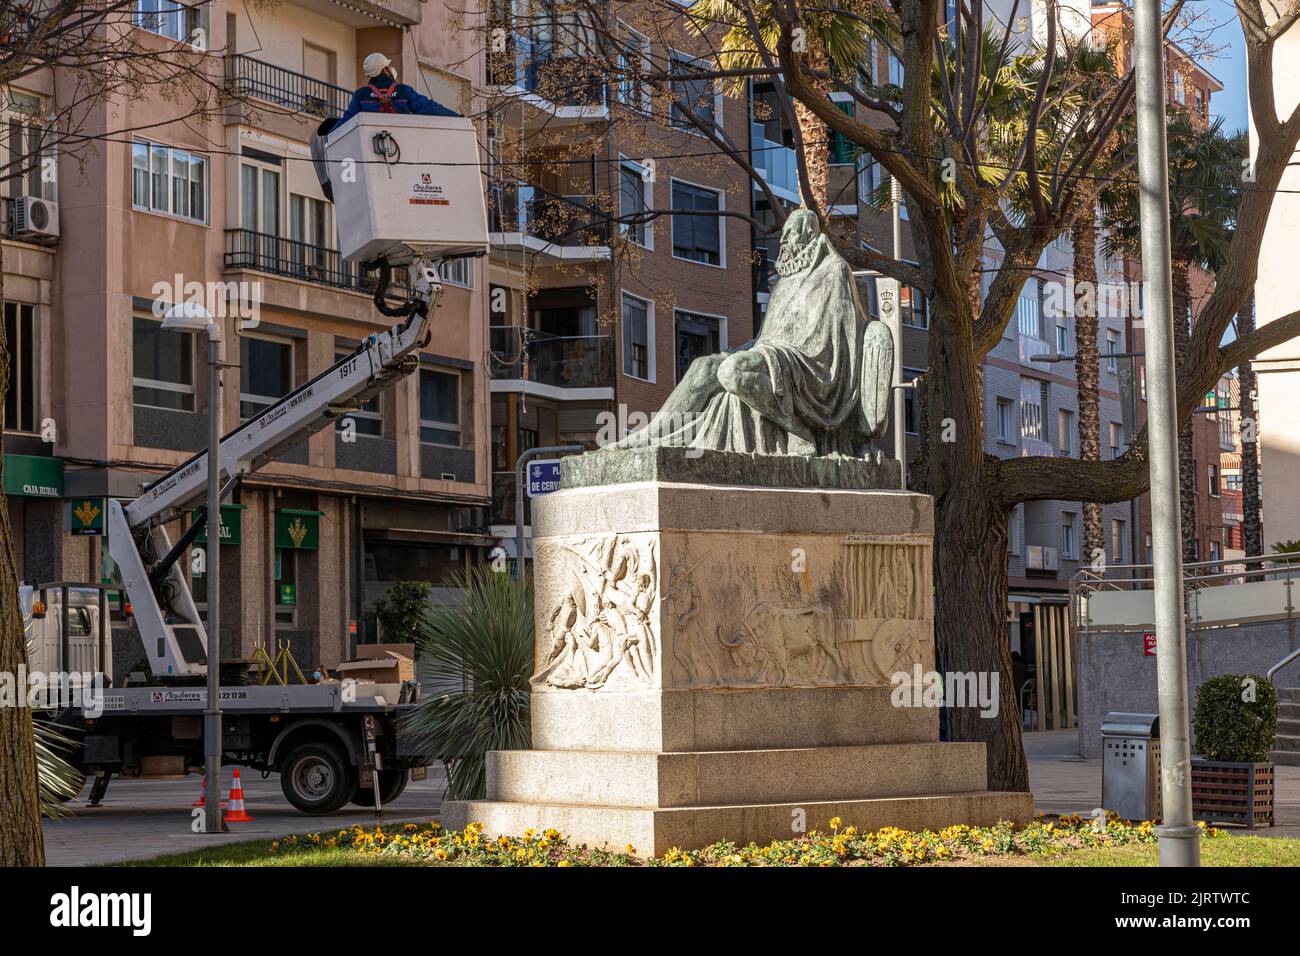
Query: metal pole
column 900, row 399
column 520, row 463
column 1179, row 837
column 212, row 714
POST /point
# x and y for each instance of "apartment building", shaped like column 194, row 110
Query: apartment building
column 1278, row 369
column 594, row 321
column 231, row 201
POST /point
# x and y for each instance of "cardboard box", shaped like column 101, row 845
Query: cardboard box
column 381, row 663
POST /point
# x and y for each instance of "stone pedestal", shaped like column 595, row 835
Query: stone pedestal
column 719, row 663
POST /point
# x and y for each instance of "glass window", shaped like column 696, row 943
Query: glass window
column 265, row 374
column 439, row 407
column 632, row 202
column 1005, row 430
column 1065, row 431
column 167, row 180
column 1214, row 480
column 914, row 308
column 1112, row 347
column 163, row 366
column 1067, row 535
column 176, row 21
column 636, row 337
column 843, row 151
column 698, row 96
column 458, row 271
column 1116, row 541
column 697, row 237
column 696, row 335
column 633, row 62
column 20, row 390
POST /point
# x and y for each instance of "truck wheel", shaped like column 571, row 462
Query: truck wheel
column 317, row 778
column 391, row 785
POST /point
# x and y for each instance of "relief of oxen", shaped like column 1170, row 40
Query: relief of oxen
column 791, row 641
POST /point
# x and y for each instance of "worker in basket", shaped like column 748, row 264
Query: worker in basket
column 383, row 94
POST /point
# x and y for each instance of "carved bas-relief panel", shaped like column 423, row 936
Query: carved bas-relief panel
column 695, row 610
column 596, row 622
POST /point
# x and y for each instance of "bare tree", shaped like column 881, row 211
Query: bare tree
column 97, row 53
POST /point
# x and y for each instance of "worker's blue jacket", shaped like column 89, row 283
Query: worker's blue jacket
column 401, row 97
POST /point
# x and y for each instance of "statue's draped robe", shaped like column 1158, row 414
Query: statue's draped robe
column 809, row 360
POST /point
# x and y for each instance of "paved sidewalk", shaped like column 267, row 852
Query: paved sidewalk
column 140, row 819
column 1063, row 782
column 145, row 818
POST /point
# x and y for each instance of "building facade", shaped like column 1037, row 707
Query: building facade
column 400, row 488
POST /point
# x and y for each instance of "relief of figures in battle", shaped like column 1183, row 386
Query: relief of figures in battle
column 601, row 631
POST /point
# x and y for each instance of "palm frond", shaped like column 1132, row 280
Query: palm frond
column 479, row 657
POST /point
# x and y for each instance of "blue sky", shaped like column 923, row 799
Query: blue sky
column 1230, row 67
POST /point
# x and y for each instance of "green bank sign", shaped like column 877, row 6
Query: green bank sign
column 32, row 476
column 230, row 525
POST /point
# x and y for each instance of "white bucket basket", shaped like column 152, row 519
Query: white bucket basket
column 406, row 185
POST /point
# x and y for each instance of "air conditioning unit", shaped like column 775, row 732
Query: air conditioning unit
column 1040, row 558
column 35, row 218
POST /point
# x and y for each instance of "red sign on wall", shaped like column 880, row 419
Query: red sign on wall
column 1148, row 644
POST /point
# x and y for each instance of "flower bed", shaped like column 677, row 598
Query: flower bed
column 840, row 846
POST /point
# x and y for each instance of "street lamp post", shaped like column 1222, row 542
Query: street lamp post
column 1179, row 837
column 193, row 318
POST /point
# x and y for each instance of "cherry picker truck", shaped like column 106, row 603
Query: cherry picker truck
column 329, row 742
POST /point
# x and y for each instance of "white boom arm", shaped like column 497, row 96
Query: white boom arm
column 174, row 637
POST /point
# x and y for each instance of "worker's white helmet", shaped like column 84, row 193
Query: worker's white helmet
column 375, row 64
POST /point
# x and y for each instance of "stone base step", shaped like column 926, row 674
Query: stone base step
column 1288, row 726
column 1288, row 710
column 1285, row 758
column 1288, row 695
column 722, row 778
column 655, row 830
column 1286, row 743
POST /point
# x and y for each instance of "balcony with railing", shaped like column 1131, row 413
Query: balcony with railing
column 561, row 227
column 559, row 361
column 248, row 249
column 547, row 76
column 248, row 76
column 775, row 162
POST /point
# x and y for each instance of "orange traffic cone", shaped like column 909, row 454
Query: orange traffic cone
column 237, row 813
column 203, row 795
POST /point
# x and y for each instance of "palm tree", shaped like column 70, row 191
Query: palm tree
column 1252, row 525
column 480, row 658
column 834, row 42
column 1204, row 191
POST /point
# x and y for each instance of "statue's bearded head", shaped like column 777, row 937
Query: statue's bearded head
column 800, row 242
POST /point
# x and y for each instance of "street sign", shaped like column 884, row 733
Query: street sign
column 543, row 477
column 1148, row 644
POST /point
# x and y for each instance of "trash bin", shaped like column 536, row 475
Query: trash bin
column 1130, row 765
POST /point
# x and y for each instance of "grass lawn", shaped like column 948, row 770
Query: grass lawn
column 1222, row 851
column 1029, row 847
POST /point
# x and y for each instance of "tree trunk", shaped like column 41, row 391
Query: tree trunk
column 970, row 597
column 1084, row 238
column 1252, row 524
column 22, row 842
column 816, row 141
column 970, row 546
column 1187, row 477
